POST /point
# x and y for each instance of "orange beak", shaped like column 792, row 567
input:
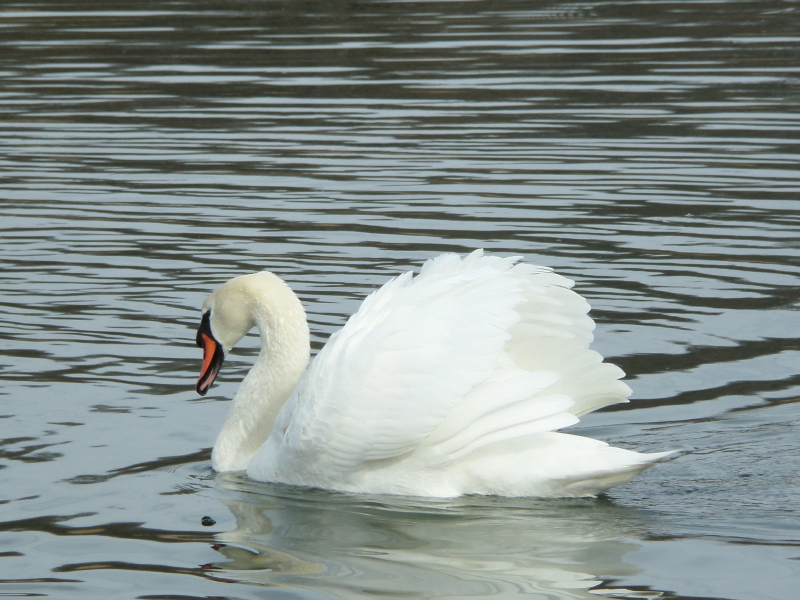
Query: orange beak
column 213, row 355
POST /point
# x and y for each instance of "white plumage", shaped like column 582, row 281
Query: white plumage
column 451, row 382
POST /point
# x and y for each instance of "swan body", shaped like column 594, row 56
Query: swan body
column 452, row 382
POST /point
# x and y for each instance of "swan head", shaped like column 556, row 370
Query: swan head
column 260, row 300
column 228, row 314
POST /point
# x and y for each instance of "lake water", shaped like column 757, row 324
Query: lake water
column 151, row 150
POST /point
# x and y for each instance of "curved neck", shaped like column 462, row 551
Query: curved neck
column 284, row 356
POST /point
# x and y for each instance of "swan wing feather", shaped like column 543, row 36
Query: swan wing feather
column 469, row 354
column 402, row 363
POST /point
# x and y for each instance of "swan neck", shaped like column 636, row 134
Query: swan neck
column 284, row 356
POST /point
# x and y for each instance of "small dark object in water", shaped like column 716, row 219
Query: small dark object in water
column 208, row 521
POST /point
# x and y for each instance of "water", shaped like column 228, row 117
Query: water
column 150, row 151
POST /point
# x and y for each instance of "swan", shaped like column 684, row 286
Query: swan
column 455, row 381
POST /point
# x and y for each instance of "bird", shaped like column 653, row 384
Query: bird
column 455, row 381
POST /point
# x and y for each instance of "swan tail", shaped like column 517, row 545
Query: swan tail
column 592, row 483
column 550, row 465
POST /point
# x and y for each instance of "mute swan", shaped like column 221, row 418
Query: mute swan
column 448, row 383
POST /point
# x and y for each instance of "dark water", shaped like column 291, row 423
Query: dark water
column 151, row 150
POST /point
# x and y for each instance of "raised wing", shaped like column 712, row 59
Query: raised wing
column 457, row 358
column 402, row 363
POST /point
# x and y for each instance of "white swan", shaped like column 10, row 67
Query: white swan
column 448, row 383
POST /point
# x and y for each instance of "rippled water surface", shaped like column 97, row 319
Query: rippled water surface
column 151, row 150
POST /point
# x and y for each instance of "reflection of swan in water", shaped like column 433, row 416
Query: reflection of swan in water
column 452, row 382
column 343, row 546
column 244, row 553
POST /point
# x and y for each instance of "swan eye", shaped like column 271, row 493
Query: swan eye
column 205, row 327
